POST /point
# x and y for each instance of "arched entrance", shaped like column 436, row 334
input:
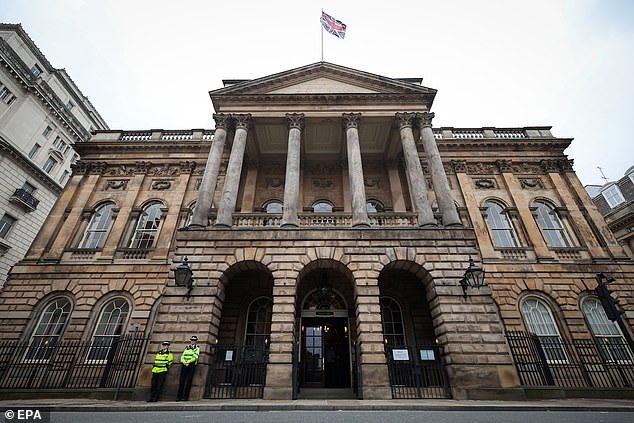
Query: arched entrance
column 325, row 365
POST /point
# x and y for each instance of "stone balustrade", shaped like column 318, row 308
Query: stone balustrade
column 489, row 133
column 339, row 220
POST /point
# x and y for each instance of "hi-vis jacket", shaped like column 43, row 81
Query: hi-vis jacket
column 190, row 355
column 163, row 361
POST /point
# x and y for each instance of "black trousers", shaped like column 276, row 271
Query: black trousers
column 157, row 385
column 185, row 382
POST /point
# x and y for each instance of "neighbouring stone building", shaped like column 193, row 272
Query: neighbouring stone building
column 329, row 228
column 42, row 116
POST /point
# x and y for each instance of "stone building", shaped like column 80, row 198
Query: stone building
column 615, row 202
column 43, row 114
column 329, row 229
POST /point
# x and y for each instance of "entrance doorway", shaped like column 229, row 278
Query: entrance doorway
column 325, row 357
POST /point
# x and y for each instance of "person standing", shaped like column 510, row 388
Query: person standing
column 162, row 363
column 189, row 360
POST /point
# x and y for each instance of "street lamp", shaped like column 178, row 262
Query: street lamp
column 473, row 278
column 183, row 276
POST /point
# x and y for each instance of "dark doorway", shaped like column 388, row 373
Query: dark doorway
column 325, row 352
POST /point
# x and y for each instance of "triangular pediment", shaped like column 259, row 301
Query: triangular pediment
column 323, row 78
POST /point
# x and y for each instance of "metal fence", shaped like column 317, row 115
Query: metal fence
column 581, row 363
column 417, row 372
column 237, row 372
column 71, row 364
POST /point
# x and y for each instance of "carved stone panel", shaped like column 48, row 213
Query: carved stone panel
column 485, row 183
column 531, row 183
column 116, row 184
column 161, row 185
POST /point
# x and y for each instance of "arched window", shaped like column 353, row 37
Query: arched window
column 374, row 206
column 550, row 224
column 328, row 299
column 323, row 207
column 274, row 206
column 110, row 325
column 392, row 319
column 99, row 227
column 147, row 227
column 49, row 329
column 607, row 334
column 258, row 329
column 540, row 321
column 500, row 225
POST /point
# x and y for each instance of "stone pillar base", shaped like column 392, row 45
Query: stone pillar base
column 377, row 392
column 278, row 393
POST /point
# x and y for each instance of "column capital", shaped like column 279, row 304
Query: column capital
column 351, row 120
column 424, row 119
column 295, row 120
column 404, row 120
column 222, row 121
column 242, row 120
column 505, row 166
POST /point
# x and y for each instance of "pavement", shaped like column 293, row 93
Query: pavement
column 89, row 405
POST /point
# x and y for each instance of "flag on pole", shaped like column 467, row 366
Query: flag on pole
column 335, row 27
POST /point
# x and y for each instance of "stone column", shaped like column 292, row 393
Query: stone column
column 212, row 169
column 415, row 177
column 291, row 183
column 446, row 204
column 234, row 170
column 355, row 169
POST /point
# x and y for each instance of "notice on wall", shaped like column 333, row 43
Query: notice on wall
column 400, row 355
column 229, row 355
column 427, row 355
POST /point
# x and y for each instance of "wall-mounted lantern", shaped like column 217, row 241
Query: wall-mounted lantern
column 473, row 278
column 183, row 276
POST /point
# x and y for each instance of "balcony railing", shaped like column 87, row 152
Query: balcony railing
column 320, row 220
column 25, row 199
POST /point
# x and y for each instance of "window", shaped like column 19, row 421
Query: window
column 258, row 329
column 6, row 223
column 540, row 321
column 111, row 324
column 49, row 330
column 70, row 105
column 274, row 206
column 607, row 334
column 392, row 319
column 36, row 70
column 30, row 188
column 47, row 131
column 374, row 206
column 6, row 95
column 550, row 224
column 322, row 207
column 500, row 226
column 60, row 144
column 63, row 178
column 147, row 227
column 75, row 158
column 36, row 147
column 99, row 227
column 49, row 165
column 613, row 196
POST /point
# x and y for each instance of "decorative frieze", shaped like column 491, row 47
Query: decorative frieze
column 550, row 166
column 485, row 183
column 527, row 168
column 531, row 183
column 161, row 185
column 459, row 166
column 505, row 166
column 481, row 168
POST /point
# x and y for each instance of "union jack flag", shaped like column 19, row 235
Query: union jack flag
column 335, row 27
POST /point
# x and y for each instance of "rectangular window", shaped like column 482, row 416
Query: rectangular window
column 36, row 147
column 30, row 188
column 70, row 105
column 6, row 223
column 63, row 178
column 6, row 95
column 36, row 70
column 613, row 196
column 47, row 131
column 60, row 144
column 49, row 165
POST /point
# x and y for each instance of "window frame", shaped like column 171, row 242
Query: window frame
column 500, row 223
column 613, row 195
column 389, row 337
column 36, row 70
column 7, row 221
column 596, row 315
column 320, row 203
column 52, row 166
column 59, row 328
column 34, row 150
column 554, row 340
column 139, row 238
column 97, row 227
column 120, row 326
column 256, row 338
column 545, row 209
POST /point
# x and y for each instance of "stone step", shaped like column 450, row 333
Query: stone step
column 326, row 393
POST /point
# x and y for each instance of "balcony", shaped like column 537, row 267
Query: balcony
column 25, row 199
column 321, row 220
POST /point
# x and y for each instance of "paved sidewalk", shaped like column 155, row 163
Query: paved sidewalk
column 324, row 405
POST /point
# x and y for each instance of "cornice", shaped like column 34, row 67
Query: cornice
column 556, row 144
column 30, row 167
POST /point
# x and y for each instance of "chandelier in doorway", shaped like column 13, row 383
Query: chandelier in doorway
column 324, row 292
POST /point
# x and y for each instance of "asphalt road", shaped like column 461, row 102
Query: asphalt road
column 345, row 417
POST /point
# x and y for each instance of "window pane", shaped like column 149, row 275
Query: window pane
column 147, row 227
column 111, row 325
column 540, row 321
column 48, row 330
column 501, row 228
column 99, row 227
column 392, row 319
column 258, row 328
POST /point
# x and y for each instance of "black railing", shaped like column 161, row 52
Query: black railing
column 417, row 372
column 69, row 364
column 237, row 372
column 580, row 363
column 26, row 198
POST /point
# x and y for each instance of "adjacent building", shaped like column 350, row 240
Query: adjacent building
column 43, row 115
column 323, row 240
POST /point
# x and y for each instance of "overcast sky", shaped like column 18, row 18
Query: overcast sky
column 566, row 64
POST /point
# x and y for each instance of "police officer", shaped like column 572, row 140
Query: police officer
column 162, row 363
column 189, row 360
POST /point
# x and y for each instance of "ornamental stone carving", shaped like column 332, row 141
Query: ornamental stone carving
column 527, row 168
column 242, row 121
column 404, row 120
column 504, row 166
column 531, row 183
column 142, row 167
column 372, row 183
column 550, row 166
column 351, row 120
column 222, row 121
column 187, row 167
column 485, row 183
column 481, row 168
column 97, row 168
column 79, row 168
column 161, row 185
column 323, row 183
column 459, row 166
column 120, row 184
column 163, row 170
column 424, row 119
column 566, row 165
column 274, row 182
column 295, row 120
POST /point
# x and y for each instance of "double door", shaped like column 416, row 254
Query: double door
column 325, row 359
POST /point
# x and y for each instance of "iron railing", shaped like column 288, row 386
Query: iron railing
column 580, row 363
column 71, row 364
column 26, row 198
column 417, row 372
column 237, row 371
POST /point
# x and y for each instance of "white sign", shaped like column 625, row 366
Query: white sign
column 229, row 355
column 400, row 355
column 427, row 355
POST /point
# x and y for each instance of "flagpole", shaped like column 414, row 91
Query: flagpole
column 322, row 35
